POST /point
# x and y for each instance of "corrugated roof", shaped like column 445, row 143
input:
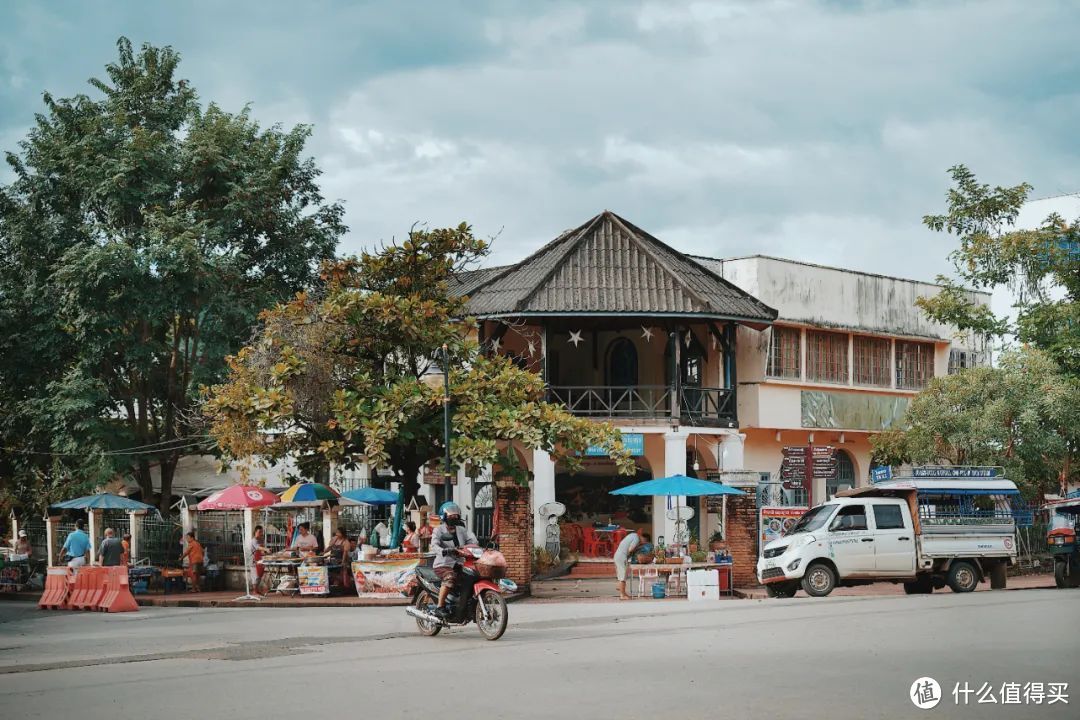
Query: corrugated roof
column 609, row 265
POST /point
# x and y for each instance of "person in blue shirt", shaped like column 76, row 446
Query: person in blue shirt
column 76, row 546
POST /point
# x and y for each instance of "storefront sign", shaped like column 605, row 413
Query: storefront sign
column 954, row 472
column 382, row 578
column 775, row 522
column 435, row 475
column 633, row 442
column 850, row 411
column 313, row 580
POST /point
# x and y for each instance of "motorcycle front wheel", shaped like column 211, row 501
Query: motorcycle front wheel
column 495, row 625
column 423, row 600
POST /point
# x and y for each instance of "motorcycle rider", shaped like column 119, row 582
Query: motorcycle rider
column 448, row 537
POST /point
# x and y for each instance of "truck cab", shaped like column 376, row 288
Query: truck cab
column 925, row 534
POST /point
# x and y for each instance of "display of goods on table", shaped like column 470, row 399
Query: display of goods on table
column 382, row 578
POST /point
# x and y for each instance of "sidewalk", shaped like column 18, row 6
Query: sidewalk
column 886, row 589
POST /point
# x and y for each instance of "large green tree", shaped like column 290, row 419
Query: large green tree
column 336, row 376
column 142, row 234
column 1023, row 414
column 1040, row 266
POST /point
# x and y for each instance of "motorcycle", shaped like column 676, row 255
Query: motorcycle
column 477, row 596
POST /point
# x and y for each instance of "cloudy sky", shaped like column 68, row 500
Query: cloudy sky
column 814, row 130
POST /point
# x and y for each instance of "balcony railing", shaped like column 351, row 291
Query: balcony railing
column 698, row 406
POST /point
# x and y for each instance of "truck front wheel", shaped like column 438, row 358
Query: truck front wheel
column 963, row 577
column 819, row 580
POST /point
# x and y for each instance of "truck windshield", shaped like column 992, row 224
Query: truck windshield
column 813, row 519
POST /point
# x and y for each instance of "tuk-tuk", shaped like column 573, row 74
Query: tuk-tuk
column 1061, row 539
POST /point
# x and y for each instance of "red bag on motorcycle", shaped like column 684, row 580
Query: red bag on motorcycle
column 491, row 565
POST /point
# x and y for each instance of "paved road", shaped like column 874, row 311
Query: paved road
column 834, row 658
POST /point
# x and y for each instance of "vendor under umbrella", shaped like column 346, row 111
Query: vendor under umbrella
column 305, row 541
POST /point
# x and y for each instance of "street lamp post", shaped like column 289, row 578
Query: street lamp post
column 447, row 468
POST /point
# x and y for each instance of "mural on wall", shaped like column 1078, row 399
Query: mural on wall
column 849, row 411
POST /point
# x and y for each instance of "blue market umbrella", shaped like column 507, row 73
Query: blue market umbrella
column 677, row 485
column 101, row 501
column 372, row 496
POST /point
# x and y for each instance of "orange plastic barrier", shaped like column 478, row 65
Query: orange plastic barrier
column 117, row 597
column 55, row 596
column 89, row 588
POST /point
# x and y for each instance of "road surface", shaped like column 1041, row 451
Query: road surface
column 802, row 658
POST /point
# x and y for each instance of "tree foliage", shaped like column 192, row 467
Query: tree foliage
column 1023, row 415
column 139, row 239
column 337, row 376
column 1041, row 266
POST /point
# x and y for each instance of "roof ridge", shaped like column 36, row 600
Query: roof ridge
column 505, row 270
column 635, row 236
column 579, row 233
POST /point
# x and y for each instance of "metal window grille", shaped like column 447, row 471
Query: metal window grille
column 826, row 356
column 784, row 353
column 872, row 360
column 914, row 365
column 964, row 359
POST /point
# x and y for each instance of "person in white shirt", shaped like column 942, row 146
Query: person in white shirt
column 305, row 541
column 622, row 558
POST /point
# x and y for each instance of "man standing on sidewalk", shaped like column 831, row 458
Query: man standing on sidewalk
column 111, row 550
column 76, row 546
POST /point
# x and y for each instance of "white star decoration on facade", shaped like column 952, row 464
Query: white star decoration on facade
column 532, row 348
column 575, row 338
column 646, row 333
column 688, row 338
column 495, row 344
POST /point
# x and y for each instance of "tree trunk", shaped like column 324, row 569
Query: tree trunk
column 168, row 470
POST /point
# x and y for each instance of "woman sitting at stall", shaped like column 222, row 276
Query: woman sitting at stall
column 411, row 543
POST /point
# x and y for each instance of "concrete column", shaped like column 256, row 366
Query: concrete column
column 732, row 452
column 188, row 520
column 51, row 549
column 463, row 495
column 543, row 492
column 329, row 524
column 135, row 521
column 95, row 533
column 674, row 464
column 249, row 531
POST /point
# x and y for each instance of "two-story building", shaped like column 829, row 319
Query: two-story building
column 709, row 368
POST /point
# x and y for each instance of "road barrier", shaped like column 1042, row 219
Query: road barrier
column 57, row 588
column 117, row 596
column 89, row 588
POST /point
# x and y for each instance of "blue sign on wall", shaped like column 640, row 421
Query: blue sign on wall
column 634, row 442
column 882, row 472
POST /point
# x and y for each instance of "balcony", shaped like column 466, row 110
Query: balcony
column 692, row 405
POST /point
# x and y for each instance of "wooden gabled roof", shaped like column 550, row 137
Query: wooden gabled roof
column 608, row 266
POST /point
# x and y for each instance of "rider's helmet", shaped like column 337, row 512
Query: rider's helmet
column 448, row 509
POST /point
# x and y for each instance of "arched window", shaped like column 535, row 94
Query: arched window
column 845, row 474
column 622, row 363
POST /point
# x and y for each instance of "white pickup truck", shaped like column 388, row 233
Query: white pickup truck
column 923, row 533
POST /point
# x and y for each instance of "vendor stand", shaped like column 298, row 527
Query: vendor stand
column 15, row 572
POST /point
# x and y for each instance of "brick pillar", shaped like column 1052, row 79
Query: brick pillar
column 741, row 537
column 513, row 503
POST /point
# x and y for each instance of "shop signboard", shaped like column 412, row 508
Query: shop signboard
column 313, row 580
column 379, row 578
column 880, row 473
column 633, row 442
column 955, row 471
column 775, row 522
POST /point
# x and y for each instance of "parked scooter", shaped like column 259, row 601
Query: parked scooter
column 477, row 596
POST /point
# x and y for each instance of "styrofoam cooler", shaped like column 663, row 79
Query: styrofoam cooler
column 702, row 585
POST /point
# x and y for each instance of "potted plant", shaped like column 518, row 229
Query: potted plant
column 692, row 543
column 716, row 541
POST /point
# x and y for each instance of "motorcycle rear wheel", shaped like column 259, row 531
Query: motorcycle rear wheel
column 494, row 627
column 423, row 600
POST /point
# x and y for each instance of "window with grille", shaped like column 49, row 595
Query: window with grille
column 784, row 353
column 914, row 365
column 873, row 360
column 826, row 356
column 963, row 359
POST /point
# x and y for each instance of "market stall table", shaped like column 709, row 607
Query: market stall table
column 676, row 575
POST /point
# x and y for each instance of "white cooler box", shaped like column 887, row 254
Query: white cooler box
column 702, row 585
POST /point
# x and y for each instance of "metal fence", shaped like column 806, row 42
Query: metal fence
column 276, row 524
column 159, row 540
column 222, row 535
column 36, row 534
column 360, row 521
